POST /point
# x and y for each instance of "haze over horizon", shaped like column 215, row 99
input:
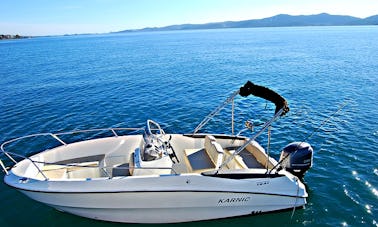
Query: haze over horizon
column 43, row 17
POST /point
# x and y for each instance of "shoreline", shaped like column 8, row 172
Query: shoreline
column 6, row 37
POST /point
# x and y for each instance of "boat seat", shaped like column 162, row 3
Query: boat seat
column 237, row 162
column 121, row 170
column 54, row 171
column 214, row 150
column 207, row 158
column 84, row 172
column 138, row 167
column 198, row 160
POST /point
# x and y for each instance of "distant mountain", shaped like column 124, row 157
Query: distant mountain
column 281, row 20
column 373, row 20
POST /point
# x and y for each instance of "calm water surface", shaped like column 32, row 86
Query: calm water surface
column 55, row 84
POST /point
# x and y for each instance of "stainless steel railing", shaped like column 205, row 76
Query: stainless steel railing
column 12, row 155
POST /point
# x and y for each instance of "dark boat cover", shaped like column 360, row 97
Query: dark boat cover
column 252, row 89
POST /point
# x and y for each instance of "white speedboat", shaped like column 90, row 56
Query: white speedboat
column 148, row 176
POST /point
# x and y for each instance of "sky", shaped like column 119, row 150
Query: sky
column 49, row 17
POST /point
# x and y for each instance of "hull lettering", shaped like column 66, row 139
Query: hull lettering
column 234, row 200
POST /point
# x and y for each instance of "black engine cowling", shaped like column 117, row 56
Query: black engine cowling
column 296, row 158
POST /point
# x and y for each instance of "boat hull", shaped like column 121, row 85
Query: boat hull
column 188, row 199
column 164, row 207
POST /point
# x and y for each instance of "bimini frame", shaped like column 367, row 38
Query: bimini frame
column 249, row 89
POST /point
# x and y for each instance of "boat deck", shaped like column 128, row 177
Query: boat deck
column 114, row 158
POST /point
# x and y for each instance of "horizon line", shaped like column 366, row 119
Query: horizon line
column 204, row 23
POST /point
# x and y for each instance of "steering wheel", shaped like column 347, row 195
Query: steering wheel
column 159, row 133
column 153, row 128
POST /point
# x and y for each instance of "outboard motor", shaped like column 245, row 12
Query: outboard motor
column 296, row 158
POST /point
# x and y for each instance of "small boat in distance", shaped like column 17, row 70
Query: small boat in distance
column 144, row 175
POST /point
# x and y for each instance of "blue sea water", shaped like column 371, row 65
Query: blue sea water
column 51, row 84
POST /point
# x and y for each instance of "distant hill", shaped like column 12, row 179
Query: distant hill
column 281, row 20
column 373, row 20
column 13, row 37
